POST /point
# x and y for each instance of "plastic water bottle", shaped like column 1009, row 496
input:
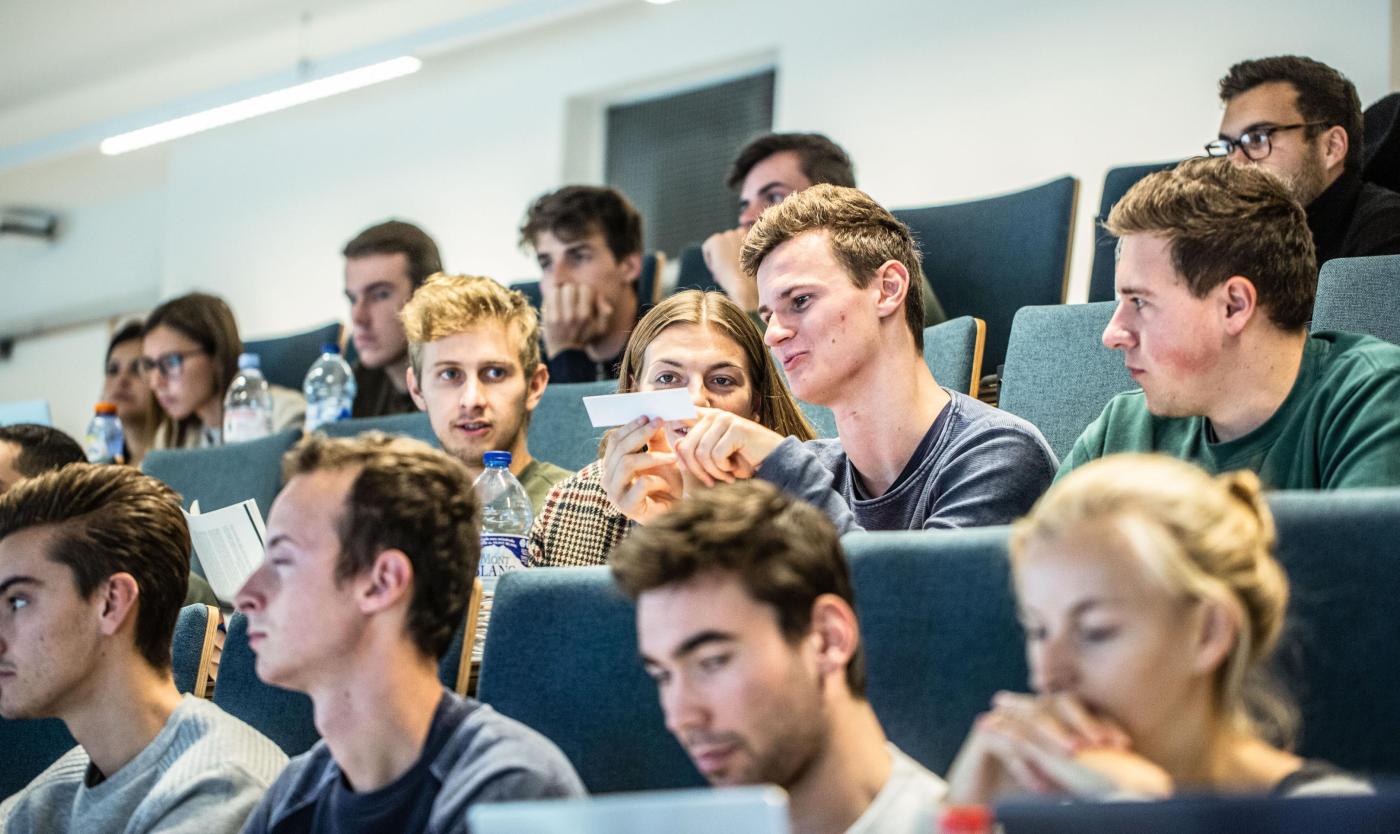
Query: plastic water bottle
column 506, row 516
column 329, row 389
column 248, row 403
column 104, row 442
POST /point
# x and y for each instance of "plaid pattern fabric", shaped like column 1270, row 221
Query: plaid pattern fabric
column 578, row 526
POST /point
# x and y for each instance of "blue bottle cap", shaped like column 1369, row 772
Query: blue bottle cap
column 331, row 347
column 249, row 360
column 496, row 459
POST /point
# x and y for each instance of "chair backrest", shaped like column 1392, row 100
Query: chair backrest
column 694, row 274
column 939, row 633
column 1360, row 295
column 284, row 716
column 821, row 418
column 455, row 666
column 192, row 650
column 26, row 411
column 413, row 425
column 953, row 352
column 560, row 431
column 989, row 258
column 648, row 282
column 1115, row 184
column 1340, row 655
column 1058, row 374
column 224, row 475
column 286, row 359
column 561, row 656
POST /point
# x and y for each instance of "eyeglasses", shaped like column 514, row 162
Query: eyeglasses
column 1255, row 143
column 169, row 364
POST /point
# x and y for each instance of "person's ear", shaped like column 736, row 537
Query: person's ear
column 119, row 596
column 1335, row 145
column 414, row 390
column 892, row 281
column 836, row 634
column 387, row 582
column 538, row 381
column 631, row 267
column 1218, row 627
column 1240, row 301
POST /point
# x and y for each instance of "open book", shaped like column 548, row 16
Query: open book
column 228, row 546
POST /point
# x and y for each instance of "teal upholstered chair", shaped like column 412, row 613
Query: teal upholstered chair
column 561, row 656
column 1058, row 374
column 283, row 716
column 1360, row 295
column 560, row 431
column 32, row 745
column 1340, row 655
column 939, row 632
column 821, row 418
column 224, row 475
column 989, row 258
column 1115, row 184
column 953, row 352
column 413, row 425
column 693, row 273
column 286, row 359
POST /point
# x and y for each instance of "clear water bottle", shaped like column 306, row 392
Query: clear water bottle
column 506, row 516
column 248, row 403
column 329, row 389
column 104, row 442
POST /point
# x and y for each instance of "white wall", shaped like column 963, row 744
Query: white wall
column 935, row 101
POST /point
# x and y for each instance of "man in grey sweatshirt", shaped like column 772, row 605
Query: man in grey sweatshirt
column 834, row 271
column 371, row 553
column 94, row 563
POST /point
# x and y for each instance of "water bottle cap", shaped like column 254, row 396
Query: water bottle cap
column 105, row 408
column 496, row 459
column 331, row 347
column 249, row 360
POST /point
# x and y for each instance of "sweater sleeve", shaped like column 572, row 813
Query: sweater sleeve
column 796, row 469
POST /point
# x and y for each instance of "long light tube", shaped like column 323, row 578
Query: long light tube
column 260, row 105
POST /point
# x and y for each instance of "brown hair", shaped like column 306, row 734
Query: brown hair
column 773, row 405
column 106, row 520
column 41, row 448
column 410, row 497
column 863, row 236
column 449, row 304
column 576, row 211
column 784, row 551
column 1225, row 220
column 397, row 237
column 822, row 160
column 1324, row 95
column 207, row 321
column 1200, row 538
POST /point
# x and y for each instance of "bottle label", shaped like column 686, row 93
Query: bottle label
column 242, row 424
column 501, row 553
column 325, row 411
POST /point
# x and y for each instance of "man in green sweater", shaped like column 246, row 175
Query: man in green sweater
column 1216, row 276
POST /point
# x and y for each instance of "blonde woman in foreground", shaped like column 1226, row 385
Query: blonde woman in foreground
column 1151, row 601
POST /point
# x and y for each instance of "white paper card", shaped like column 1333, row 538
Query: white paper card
column 618, row 409
column 229, row 545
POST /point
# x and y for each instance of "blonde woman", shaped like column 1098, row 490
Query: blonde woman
column 1151, row 601
column 702, row 342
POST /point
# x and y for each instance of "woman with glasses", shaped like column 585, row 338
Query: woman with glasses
column 125, row 386
column 189, row 353
column 1152, row 603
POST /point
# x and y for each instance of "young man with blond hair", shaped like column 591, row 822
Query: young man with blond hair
column 1215, row 277
column 837, row 276
column 746, row 621
column 371, row 553
column 94, row 562
column 474, row 366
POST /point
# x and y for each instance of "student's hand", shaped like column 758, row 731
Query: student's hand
column 639, row 471
column 724, row 447
column 573, row 316
column 721, row 251
column 1028, row 744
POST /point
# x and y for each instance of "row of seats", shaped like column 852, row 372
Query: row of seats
column 940, row 636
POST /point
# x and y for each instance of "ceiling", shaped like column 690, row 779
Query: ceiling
column 68, row 65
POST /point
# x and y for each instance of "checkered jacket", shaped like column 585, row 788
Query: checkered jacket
column 578, row 525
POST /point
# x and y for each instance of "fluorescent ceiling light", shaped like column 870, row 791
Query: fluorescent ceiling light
column 259, row 105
